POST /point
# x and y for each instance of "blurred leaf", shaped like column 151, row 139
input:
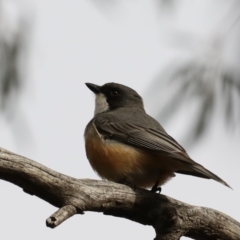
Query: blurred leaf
column 198, row 80
column 209, row 80
column 230, row 87
column 13, row 35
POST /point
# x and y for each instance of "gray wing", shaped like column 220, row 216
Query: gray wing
column 155, row 140
column 145, row 138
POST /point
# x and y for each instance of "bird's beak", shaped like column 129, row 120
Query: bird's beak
column 93, row 87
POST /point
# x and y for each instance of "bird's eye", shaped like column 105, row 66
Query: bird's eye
column 114, row 93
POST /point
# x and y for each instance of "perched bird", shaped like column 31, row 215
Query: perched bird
column 126, row 145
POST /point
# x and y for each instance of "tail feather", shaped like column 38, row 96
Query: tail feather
column 198, row 170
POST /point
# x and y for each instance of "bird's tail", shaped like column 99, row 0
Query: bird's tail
column 198, row 170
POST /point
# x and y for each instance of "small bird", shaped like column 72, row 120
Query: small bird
column 126, row 145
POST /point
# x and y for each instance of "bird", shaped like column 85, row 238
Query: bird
column 126, row 145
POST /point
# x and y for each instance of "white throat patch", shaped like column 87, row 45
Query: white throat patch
column 101, row 104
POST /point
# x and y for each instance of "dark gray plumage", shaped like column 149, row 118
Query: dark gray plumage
column 124, row 120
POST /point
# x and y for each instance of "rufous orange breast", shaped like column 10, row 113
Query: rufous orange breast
column 119, row 162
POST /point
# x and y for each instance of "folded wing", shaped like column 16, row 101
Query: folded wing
column 154, row 140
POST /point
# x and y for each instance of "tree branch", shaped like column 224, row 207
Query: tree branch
column 170, row 218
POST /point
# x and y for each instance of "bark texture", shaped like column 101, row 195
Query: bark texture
column 170, row 218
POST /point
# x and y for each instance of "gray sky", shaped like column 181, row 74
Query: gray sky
column 129, row 42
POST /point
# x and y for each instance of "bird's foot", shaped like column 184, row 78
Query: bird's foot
column 156, row 188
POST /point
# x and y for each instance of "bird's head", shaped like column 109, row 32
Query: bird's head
column 111, row 96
